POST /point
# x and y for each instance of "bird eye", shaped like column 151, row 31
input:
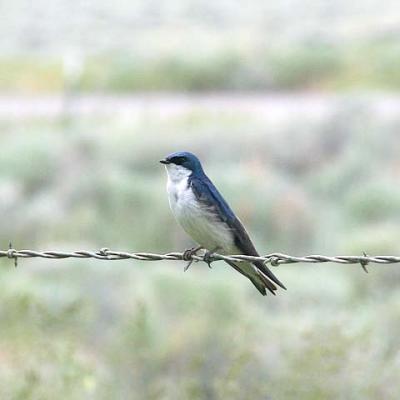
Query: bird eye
column 179, row 160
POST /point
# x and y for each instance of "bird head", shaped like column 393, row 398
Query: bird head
column 182, row 163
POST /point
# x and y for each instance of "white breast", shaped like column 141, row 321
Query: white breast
column 199, row 222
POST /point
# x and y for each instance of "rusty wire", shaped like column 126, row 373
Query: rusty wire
column 274, row 259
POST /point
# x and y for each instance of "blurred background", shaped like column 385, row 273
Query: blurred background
column 292, row 106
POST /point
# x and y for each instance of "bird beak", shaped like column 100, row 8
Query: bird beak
column 165, row 161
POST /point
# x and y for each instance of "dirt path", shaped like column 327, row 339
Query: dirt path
column 269, row 106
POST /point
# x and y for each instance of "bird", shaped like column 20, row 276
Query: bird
column 206, row 217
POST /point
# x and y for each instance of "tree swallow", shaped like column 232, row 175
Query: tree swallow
column 207, row 218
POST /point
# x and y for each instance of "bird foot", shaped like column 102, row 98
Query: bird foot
column 187, row 256
column 207, row 258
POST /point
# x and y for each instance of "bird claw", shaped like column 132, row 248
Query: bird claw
column 207, row 258
column 188, row 256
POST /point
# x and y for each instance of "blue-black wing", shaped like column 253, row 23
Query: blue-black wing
column 207, row 193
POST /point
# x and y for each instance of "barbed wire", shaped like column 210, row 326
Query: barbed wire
column 274, row 259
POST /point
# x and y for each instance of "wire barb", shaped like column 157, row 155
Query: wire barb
column 274, row 259
column 12, row 254
column 364, row 262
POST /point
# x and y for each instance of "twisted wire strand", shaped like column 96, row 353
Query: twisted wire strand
column 274, row 259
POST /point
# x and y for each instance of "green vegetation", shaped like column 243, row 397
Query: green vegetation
column 307, row 173
column 317, row 66
column 132, row 330
column 107, row 332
